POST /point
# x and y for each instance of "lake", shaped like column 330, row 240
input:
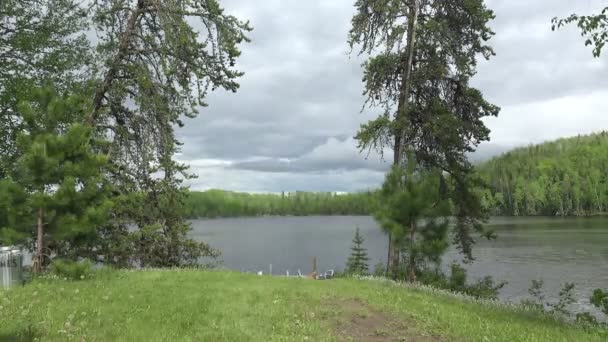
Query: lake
column 556, row 250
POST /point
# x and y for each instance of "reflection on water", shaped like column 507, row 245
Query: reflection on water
column 557, row 250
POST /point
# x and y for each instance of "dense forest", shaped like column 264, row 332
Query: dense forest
column 219, row 203
column 565, row 177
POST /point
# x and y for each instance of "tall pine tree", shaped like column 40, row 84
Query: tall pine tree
column 423, row 57
column 160, row 60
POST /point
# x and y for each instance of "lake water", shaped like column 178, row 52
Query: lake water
column 556, row 250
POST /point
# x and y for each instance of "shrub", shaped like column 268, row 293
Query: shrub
column 585, row 319
column 600, row 300
column 485, row 288
column 74, row 270
column 560, row 308
column 565, row 299
column 380, row 270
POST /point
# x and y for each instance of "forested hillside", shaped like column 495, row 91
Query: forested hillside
column 219, row 203
column 564, row 177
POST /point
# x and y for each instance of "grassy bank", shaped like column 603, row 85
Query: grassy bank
column 190, row 305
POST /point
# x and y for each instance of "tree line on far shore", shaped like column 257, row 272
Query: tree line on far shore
column 220, row 203
column 566, row 177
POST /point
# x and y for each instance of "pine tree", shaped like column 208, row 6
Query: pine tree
column 159, row 60
column 413, row 211
column 423, row 57
column 357, row 261
column 58, row 191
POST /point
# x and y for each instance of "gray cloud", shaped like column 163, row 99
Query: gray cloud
column 334, row 155
column 532, row 62
column 487, row 150
column 290, row 125
column 257, row 181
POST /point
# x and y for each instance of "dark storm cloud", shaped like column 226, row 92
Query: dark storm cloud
column 290, row 125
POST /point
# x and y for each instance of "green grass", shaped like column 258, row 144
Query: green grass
column 191, row 305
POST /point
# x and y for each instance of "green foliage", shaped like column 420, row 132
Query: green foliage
column 565, row 299
column 412, row 210
column 218, row 203
column 456, row 281
column 565, row 177
column 151, row 67
column 357, row 261
column 13, row 211
column 458, row 276
column 561, row 306
column 41, row 41
column 485, row 287
column 585, row 319
column 157, row 67
column 536, row 291
column 593, row 27
column 59, row 175
column 379, row 270
column 73, row 270
column 162, row 237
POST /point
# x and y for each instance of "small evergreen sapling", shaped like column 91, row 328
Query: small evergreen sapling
column 357, row 262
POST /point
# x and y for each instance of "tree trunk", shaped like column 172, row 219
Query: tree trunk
column 406, row 81
column 395, row 255
column 39, row 244
column 389, row 256
column 599, row 202
column 412, row 266
column 401, row 118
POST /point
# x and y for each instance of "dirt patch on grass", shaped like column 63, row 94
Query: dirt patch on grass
column 357, row 321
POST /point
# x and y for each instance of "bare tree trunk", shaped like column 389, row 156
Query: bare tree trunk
column 39, row 244
column 389, row 256
column 395, row 259
column 401, row 118
column 412, row 266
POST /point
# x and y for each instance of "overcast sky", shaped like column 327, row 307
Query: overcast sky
column 290, row 125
